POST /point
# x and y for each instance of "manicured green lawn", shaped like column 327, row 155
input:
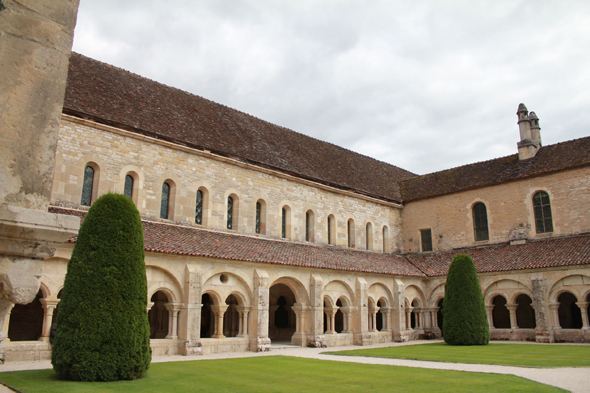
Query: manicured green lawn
column 506, row 354
column 280, row 374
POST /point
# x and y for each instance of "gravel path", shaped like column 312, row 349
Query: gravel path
column 576, row 380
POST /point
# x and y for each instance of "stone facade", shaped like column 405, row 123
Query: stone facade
column 509, row 210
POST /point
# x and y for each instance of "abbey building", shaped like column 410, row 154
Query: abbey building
column 257, row 235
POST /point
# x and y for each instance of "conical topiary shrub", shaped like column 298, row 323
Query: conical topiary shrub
column 464, row 313
column 102, row 327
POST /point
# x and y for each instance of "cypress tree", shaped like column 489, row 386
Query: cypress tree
column 102, row 329
column 465, row 321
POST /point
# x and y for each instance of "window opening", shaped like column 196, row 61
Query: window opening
column 230, row 212
column 329, row 232
column 128, row 190
column 284, row 224
column 199, row 208
column 258, row 212
column 426, row 236
column 87, row 186
column 165, row 200
column 542, row 207
column 306, row 226
column 480, row 222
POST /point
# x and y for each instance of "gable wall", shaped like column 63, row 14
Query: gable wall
column 509, row 209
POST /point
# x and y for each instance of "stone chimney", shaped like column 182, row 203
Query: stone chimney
column 530, row 133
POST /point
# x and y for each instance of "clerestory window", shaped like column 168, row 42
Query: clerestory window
column 542, row 207
column 480, row 222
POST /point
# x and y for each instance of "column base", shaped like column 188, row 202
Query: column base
column 260, row 344
column 192, row 348
column 544, row 337
column 318, row 341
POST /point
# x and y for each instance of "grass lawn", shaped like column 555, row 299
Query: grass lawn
column 506, row 354
column 280, row 374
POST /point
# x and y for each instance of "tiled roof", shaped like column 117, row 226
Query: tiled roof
column 190, row 241
column 535, row 254
column 113, row 96
column 182, row 240
column 552, row 158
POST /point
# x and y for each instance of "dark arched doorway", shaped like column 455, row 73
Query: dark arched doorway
column 500, row 313
column 26, row 320
column 231, row 318
column 158, row 315
column 282, row 318
column 207, row 320
column 439, row 316
column 525, row 314
column 379, row 316
column 570, row 316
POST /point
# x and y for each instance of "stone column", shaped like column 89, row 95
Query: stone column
column 35, row 45
column 260, row 342
column 219, row 312
column 512, row 309
column 409, row 310
column 48, row 308
column 332, row 321
column 489, row 309
column 4, row 327
column 553, row 308
column 244, row 311
column 398, row 312
column 584, row 309
column 316, row 298
column 386, row 323
column 189, row 328
column 299, row 338
column 173, row 309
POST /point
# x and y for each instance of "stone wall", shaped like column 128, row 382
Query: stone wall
column 114, row 153
column 509, row 210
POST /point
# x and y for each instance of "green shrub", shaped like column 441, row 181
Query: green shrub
column 102, row 327
column 464, row 313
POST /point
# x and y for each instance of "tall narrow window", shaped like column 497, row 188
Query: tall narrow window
column 258, row 213
column 128, row 190
column 230, row 212
column 369, row 236
column 330, row 232
column 199, row 208
column 87, row 186
column 385, row 238
column 480, row 222
column 426, row 236
column 542, row 207
column 165, row 201
column 284, row 223
column 350, row 233
column 307, row 226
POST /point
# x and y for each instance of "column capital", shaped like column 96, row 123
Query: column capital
column 173, row 307
column 46, row 303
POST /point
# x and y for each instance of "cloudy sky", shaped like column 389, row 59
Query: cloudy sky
column 422, row 85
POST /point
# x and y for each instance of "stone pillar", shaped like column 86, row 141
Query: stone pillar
column 35, row 45
column 332, row 319
column 173, row 309
column 4, row 327
column 189, row 328
column 316, row 298
column 489, row 309
column 299, row 338
column 244, row 311
column 544, row 327
column 386, row 323
column 584, row 309
column 512, row 310
column 361, row 335
column 48, row 308
column 260, row 342
column 219, row 312
column 409, row 310
column 553, row 308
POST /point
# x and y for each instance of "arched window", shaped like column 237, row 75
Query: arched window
column 331, row 229
column 351, row 233
column 286, row 222
column 87, row 186
column 386, row 239
column 369, row 236
column 500, row 313
column 258, row 215
column 480, row 222
column 128, row 190
column 542, row 207
column 165, row 204
column 309, row 226
column 230, row 212
column 199, row 208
